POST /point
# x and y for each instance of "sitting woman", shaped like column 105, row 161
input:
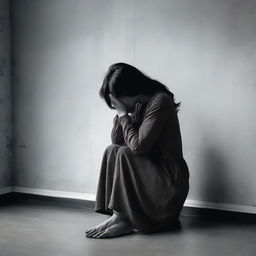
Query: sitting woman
column 144, row 179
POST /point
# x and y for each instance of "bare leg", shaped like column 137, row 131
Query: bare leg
column 112, row 227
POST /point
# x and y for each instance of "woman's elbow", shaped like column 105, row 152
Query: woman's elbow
column 140, row 148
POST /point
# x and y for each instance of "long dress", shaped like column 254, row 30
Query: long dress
column 143, row 174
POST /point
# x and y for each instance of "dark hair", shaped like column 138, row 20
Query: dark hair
column 125, row 80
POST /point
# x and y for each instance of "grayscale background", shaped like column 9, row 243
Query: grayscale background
column 55, row 127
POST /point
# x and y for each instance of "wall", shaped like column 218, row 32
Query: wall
column 204, row 50
column 5, row 99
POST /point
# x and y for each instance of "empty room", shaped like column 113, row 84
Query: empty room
column 127, row 127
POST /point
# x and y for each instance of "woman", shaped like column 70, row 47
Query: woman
column 143, row 179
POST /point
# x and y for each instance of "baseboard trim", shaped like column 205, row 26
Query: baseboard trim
column 6, row 190
column 55, row 193
column 250, row 209
column 221, row 206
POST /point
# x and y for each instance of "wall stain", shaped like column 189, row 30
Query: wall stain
column 2, row 66
column 10, row 158
column 10, row 143
column 2, row 23
column 22, row 146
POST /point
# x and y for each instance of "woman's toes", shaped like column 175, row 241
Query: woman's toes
column 107, row 234
column 97, row 235
column 94, row 232
column 99, row 227
column 115, row 231
column 90, row 231
column 113, row 227
column 88, row 235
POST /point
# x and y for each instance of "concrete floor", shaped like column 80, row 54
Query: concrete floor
column 41, row 228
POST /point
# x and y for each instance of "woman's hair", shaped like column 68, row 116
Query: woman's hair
column 123, row 79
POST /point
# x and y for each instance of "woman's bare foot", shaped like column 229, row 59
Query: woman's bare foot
column 113, row 227
column 102, row 226
column 119, row 229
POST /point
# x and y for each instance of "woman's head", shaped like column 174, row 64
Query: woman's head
column 124, row 80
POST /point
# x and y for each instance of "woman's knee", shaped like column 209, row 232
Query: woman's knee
column 112, row 147
column 124, row 150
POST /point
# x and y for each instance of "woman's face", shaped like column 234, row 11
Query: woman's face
column 129, row 102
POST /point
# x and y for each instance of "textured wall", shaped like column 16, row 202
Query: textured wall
column 204, row 50
column 5, row 98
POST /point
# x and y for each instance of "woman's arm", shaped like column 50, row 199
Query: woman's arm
column 142, row 140
column 117, row 136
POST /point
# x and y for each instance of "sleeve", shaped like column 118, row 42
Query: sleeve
column 143, row 139
column 117, row 132
column 117, row 136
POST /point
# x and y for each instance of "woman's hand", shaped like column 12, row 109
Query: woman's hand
column 118, row 105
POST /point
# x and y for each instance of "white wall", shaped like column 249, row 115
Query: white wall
column 5, row 99
column 204, row 50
